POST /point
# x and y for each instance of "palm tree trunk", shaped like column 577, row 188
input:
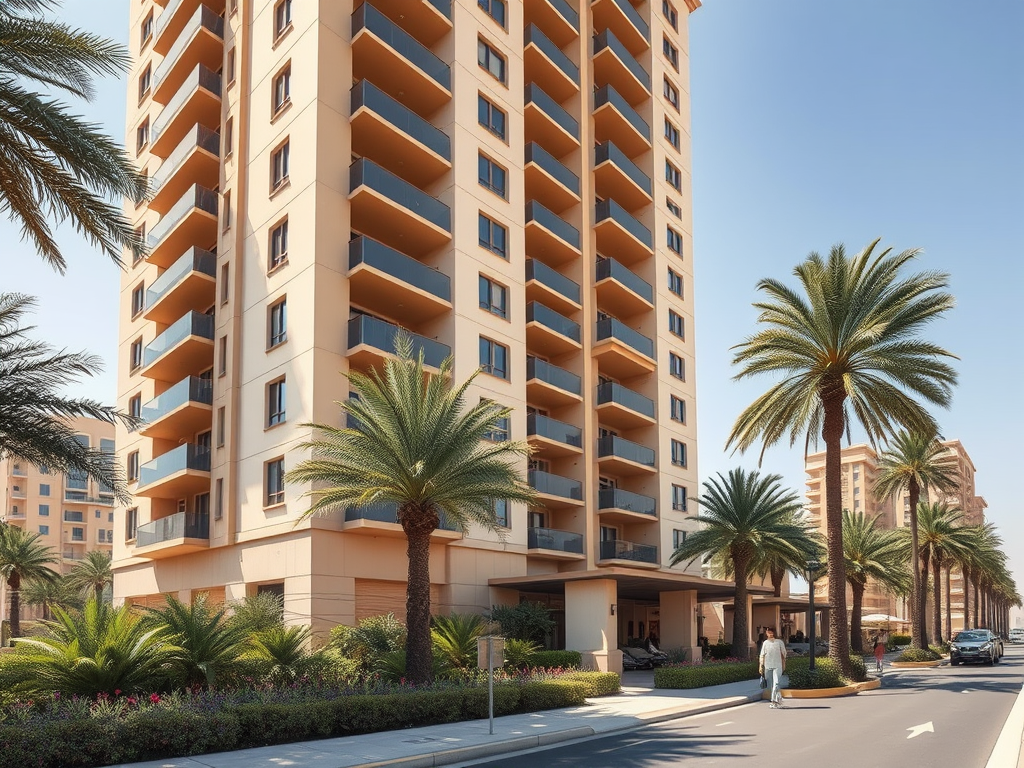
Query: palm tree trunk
column 832, row 434
column 778, row 574
column 740, row 620
column 418, row 661
column 98, row 588
column 918, row 633
column 14, row 586
column 937, row 600
column 977, row 603
column 856, row 639
column 949, row 603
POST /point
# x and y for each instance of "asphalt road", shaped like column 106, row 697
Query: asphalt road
column 957, row 714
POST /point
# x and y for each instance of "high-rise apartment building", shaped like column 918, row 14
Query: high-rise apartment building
column 509, row 181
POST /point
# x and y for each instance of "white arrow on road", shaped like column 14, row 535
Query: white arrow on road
column 917, row 730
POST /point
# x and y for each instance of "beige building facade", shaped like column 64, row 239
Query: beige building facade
column 509, row 182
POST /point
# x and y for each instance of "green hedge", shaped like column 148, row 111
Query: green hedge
column 826, row 672
column 918, row 654
column 550, row 659
column 700, row 675
column 719, row 651
column 596, row 683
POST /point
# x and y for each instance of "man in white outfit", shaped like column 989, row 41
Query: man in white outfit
column 772, row 663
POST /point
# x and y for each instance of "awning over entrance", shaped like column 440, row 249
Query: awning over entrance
column 784, row 604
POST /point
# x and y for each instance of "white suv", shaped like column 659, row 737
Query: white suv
column 1017, row 635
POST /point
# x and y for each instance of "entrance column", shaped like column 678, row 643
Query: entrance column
column 591, row 626
column 679, row 622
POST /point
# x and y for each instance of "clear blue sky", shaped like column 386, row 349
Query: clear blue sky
column 813, row 123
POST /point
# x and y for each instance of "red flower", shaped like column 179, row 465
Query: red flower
column 154, row 698
column 132, row 700
column 117, row 691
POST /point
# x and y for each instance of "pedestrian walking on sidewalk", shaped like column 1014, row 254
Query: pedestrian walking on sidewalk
column 772, row 663
column 879, row 653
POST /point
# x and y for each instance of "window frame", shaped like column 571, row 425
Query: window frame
column 145, row 82
column 276, row 411
column 277, row 249
column 142, row 136
column 672, row 358
column 672, row 134
column 487, row 5
column 135, row 355
column 280, row 166
column 279, row 101
column 282, row 23
column 673, row 176
column 279, row 307
column 493, row 288
column 671, row 15
column 676, row 324
column 273, row 469
column 675, row 283
column 677, row 409
column 671, row 94
column 135, row 406
column 490, row 366
column 492, row 225
column 491, row 108
column 674, row 241
column 484, row 52
column 131, row 467
column 670, row 52
column 679, row 459
column 138, row 300
column 489, row 183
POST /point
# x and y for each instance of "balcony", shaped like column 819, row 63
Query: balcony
column 622, row 457
column 190, row 222
column 621, row 292
column 392, row 282
column 614, row 65
column 429, row 20
column 393, row 211
column 549, row 385
column 550, row 333
column 196, row 160
column 18, row 493
column 201, row 41
column 622, row 352
column 381, row 519
column 549, row 124
column 185, row 347
column 556, row 17
column 180, row 473
column 625, row 506
column 615, row 120
column 547, row 64
column 551, row 438
column 620, row 233
column 620, row 552
column 371, row 340
column 81, row 497
column 622, row 408
column 180, row 534
column 552, row 544
column 175, row 16
column 548, row 181
column 197, row 101
column 617, row 177
column 549, row 237
column 190, row 283
column 627, row 22
column 395, row 137
column 554, row 490
column 552, row 288
column 183, row 409
column 397, row 62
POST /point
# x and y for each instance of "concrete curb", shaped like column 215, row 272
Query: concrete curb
column 1009, row 748
column 826, row 693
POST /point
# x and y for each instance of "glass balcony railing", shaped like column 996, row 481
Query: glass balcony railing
column 553, row 429
column 379, row 334
column 616, row 498
column 81, row 497
column 408, row 47
column 400, row 191
column 606, row 94
column 191, row 324
column 552, row 51
column 187, row 456
column 387, row 512
column 566, row 12
column 204, row 17
column 607, row 39
column 183, row 525
column 556, row 281
column 165, row 16
column 609, row 209
column 611, row 269
column 613, row 445
column 553, row 375
column 627, row 550
column 535, row 153
column 611, row 328
column 559, row 323
column 555, row 485
column 609, row 152
column 196, row 197
column 191, row 389
column 612, row 392
column 553, row 223
column 199, row 137
column 551, row 108
column 634, row 17
column 556, row 541
column 366, row 94
column 366, row 250
column 200, row 78
column 193, row 260
column 73, row 516
column 444, row 6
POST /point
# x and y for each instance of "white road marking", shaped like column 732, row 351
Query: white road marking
column 917, row 730
column 727, row 722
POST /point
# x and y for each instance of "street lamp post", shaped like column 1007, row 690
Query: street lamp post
column 812, row 570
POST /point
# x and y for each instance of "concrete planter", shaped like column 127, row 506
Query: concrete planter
column 915, row 664
column 826, row 693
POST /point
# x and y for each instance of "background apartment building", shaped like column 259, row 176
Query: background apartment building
column 509, row 182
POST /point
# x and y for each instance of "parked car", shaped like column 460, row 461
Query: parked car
column 996, row 639
column 1017, row 635
column 630, row 663
column 973, row 646
column 641, row 657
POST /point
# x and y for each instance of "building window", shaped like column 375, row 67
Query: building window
column 674, row 241
column 278, row 326
column 44, row 489
column 225, row 272
column 671, row 94
column 495, row 9
column 492, row 176
column 678, row 409
column 675, row 324
column 221, row 427
column 490, row 117
column 493, row 297
column 140, row 234
column 225, row 213
column 146, row 30
column 131, row 523
column 500, row 430
column 135, row 355
column 276, row 403
column 274, row 482
column 671, row 133
column 228, row 139
column 279, row 167
column 491, row 60
column 500, row 509
column 493, row 237
column 145, row 82
column 282, row 89
column 44, row 530
column 675, row 283
column 132, row 466
column 671, row 53
column 218, row 499
column 44, row 510
column 278, row 245
column 493, row 358
column 135, row 406
column 138, row 300
column 229, row 67
column 674, row 209
column 673, row 176
column 676, row 366
column 222, row 356
column 678, row 538
column 142, row 136
column 679, row 453
column 670, row 14
column 282, row 18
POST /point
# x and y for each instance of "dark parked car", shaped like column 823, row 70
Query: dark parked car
column 996, row 639
column 973, row 645
column 642, row 658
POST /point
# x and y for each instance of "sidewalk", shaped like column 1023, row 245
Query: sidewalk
column 638, row 704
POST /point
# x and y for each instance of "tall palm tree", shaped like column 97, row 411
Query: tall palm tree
column 93, row 572
column 871, row 554
column 35, row 416
column 916, row 462
column 22, row 557
column 940, row 539
column 746, row 518
column 52, row 593
column 413, row 442
column 54, row 166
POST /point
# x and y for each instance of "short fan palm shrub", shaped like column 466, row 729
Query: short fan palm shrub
column 281, row 655
column 519, row 654
column 367, row 643
column 261, row 612
column 454, row 638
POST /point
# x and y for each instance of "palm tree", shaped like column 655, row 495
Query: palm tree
column 916, row 462
column 55, row 167
column 93, row 572
column 57, row 592
column 871, row 554
column 35, row 417
column 940, row 538
column 22, row 558
column 746, row 518
column 775, row 565
column 413, row 443
column 846, row 345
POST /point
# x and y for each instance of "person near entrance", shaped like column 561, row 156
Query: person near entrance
column 772, row 663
